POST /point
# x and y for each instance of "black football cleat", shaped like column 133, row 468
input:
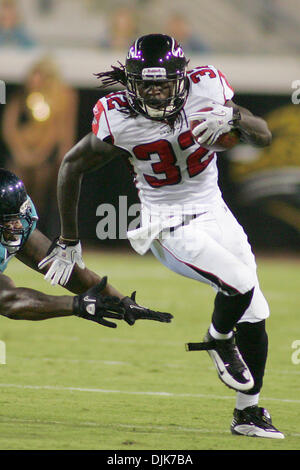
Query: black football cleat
column 231, row 368
column 254, row 422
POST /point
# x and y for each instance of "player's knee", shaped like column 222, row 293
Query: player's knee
column 234, row 302
column 193, row 244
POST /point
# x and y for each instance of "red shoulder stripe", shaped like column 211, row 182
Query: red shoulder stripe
column 98, row 110
column 222, row 77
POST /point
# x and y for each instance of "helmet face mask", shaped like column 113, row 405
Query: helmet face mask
column 14, row 230
column 11, row 237
column 16, row 219
column 156, row 61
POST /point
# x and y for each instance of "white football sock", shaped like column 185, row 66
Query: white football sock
column 216, row 335
column 243, row 400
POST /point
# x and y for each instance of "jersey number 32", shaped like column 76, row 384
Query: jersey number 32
column 166, row 167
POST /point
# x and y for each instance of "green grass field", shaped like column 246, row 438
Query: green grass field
column 71, row 384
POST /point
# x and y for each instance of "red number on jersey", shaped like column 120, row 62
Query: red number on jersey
column 113, row 99
column 196, row 161
column 166, row 166
column 201, row 71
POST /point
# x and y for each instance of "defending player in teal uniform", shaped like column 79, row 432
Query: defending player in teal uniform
column 19, row 237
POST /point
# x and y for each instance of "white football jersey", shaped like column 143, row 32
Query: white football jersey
column 170, row 167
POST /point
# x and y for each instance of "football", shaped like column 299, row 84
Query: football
column 224, row 142
column 228, row 140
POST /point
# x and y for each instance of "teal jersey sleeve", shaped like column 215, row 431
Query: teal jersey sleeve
column 34, row 216
column 4, row 258
column 5, row 255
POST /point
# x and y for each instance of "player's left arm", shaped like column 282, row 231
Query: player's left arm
column 83, row 280
column 21, row 303
column 254, row 130
column 35, row 249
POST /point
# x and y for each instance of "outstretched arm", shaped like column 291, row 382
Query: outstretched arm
column 28, row 304
column 20, row 303
column 80, row 280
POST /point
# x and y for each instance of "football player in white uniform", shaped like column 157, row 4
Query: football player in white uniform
column 184, row 220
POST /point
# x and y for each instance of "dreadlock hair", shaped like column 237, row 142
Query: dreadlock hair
column 114, row 76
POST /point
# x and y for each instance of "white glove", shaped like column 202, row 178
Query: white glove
column 217, row 120
column 63, row 258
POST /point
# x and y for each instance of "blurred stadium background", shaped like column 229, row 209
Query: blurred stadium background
column 255, row 44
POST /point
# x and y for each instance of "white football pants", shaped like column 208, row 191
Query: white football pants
column 213, row 248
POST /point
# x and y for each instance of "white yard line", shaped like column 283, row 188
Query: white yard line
column 133, row 426
column 74, row 361
column 144, row 427
column 173, row 365
column 126, row 392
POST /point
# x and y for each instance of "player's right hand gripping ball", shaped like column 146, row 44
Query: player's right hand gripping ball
column 212, row 128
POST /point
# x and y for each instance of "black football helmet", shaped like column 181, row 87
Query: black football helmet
column 14, row 205
column 155, row 59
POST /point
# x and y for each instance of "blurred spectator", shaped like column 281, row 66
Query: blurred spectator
column 122, row 30
column 39, row 126
column 12, row 31
column 45, row 6
column 178, row 27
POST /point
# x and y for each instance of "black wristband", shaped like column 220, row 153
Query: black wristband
column 76, row 308
column 236, row 117
column 67, row 242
